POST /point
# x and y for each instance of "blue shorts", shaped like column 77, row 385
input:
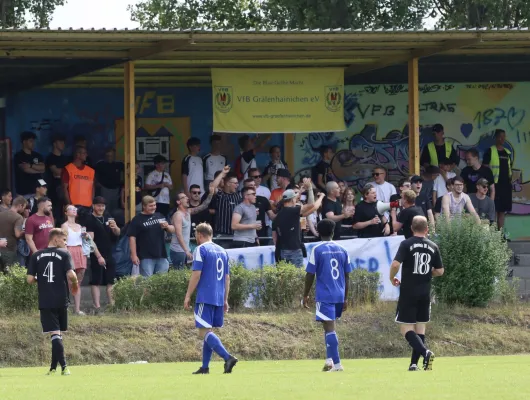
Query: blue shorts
column 208, row 316
column 329, row 311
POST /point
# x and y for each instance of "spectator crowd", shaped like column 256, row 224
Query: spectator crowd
column 245, row 205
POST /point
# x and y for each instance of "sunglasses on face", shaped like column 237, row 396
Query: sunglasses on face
column 377, row 173
column 195, row 192
column 256, row 176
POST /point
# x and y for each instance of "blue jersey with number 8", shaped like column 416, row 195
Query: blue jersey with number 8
column 212, row 261
column 329, row 262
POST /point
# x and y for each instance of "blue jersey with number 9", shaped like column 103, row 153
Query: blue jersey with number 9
column 329, row 262
column 212, row 261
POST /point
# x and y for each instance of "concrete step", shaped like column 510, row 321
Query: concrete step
column 520, row 259
column 520, row 247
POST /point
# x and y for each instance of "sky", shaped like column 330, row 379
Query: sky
column 93, row 14
column 108, row 14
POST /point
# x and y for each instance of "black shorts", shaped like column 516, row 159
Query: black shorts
column 413, row 309
column 438, row 207
column 503, row 198
column 102, row 276
column 54, row 319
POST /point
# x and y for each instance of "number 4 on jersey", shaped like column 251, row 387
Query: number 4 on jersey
column 48, row 272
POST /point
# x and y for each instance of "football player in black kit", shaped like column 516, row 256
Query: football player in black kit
column 51, row 268
column 421, row 261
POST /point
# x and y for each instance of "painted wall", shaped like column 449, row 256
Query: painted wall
column 173, row 113
column 377, row 132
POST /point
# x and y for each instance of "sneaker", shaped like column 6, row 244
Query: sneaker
column 428, row 361
column 65, row 371
column 202, row 371
column 230, row 364
column 51, row 372
column 337, row 368
column 98, row 311
column 81, row 313
column 413, row 367
column 328, row 365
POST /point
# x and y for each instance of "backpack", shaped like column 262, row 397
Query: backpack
column 121, row 255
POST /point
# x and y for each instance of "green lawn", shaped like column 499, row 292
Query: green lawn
column 469, row 378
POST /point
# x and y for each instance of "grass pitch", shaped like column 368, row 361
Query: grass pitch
column 483, row 378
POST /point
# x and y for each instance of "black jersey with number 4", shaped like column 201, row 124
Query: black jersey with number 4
column 418, row 257
column 50, row 266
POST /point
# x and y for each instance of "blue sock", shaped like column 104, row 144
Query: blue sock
column 328, row 352
column 215, row 344
column 206, row 354
column 332, row 344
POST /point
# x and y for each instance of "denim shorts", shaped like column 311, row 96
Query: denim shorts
column 295, row 257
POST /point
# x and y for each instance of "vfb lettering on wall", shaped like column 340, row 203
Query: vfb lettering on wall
column 165, row 104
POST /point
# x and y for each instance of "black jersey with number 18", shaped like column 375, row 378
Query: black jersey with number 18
column 418, row 257
column 50, row 266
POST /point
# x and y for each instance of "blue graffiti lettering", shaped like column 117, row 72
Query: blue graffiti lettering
column 388, row 255
column 494, row 116
column 373, row 265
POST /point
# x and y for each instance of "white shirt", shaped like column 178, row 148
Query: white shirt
column 273, row 167
column 212, row 164
column 263, row 191
column 439, row 184
column 192, row 167
column 384, row 191
column 153, row 179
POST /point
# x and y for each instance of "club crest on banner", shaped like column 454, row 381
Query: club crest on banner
column 333, row 98
column 223, row 98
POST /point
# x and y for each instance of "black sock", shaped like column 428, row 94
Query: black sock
column 58, row 349
column 53, row 365
column 416, row 343
column 415, row 355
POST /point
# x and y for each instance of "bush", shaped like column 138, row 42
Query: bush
column 160, row 292
column 363, row 287
column 507, row 291
column 278, row 286
column 475, row 258
column 242, row 282
column 272, row 288
column 15, row 293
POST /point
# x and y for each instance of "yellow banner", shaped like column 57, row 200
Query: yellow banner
column 278, row 100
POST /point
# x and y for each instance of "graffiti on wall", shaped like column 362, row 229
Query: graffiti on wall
column 377, row 131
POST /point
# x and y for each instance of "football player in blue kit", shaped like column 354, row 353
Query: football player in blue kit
column 211, row 277
column 331, row 264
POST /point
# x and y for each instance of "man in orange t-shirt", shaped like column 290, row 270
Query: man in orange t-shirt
column 79, row 182
column 283, row 178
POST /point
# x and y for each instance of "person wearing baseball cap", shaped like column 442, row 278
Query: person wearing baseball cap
column 286, row 232
column 283, row 179
column 40, row 191
column 438, row 149
column 484, row 205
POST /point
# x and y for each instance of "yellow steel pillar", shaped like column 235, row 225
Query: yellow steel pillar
column 414, row 119
column 129, row 136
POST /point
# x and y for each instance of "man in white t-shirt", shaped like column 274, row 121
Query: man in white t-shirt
column 159, row 183
column 249, row 148
column 384, row 189
column 274, row 165
column 192, row 171
column 213, row 161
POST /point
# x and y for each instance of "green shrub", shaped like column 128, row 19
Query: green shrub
column 363, row 287
column 279, row 286
column 242, row 282
column 507, row 291
column 166, row 292
column 475, row 258
column 15, row 293
column 129, row 293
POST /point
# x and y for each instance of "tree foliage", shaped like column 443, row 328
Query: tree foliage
column 314, row 14
column 482, row 13
column 14, row 13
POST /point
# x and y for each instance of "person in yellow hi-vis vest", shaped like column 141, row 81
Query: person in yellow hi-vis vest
column 438, row 149
column 498, row 158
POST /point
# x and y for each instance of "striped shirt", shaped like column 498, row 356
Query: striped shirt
column 224, row 205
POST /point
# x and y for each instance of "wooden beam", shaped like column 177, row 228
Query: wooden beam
column 70, row 85
column 414, row 118
column 258, row 62
column 418, row 53
column 107, row 79
column 129, row 136
column 161, row 47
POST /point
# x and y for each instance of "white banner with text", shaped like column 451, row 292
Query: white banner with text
column 374, row 255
